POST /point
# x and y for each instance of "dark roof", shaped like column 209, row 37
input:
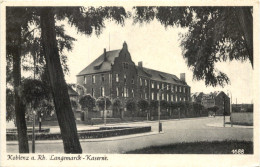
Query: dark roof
column 196, row 94
column 100, row 65
column 72, row 92
column 159, row 76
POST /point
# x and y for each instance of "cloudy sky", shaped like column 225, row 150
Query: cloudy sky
column 158, row 48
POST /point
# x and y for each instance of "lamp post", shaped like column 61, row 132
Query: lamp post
column 159, row 108
column 230, row 108
column 105, row 115
column 33, row 133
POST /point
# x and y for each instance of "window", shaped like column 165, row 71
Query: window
column 172, row 88
column 176, row 98
column 102, row 91
column 152, row 84
column 133, row 93
column 125, row 78
column 152, row 96
column 167, row 97
column 158, row 96
column 110, row 78
column 85, row 79
column 125, row 65
column 117, row 77
column 117, row 92
column 145, row 82
column 102, row 78
column 180, row 99
column 176, row 87
column 171, row 97
column 183, row 89
column 162, row 85
column 140, row 81
column 180, row 89
column 93, row 79
column 158, row 85
column 168, row 87
column 92, row 92
column 184, row 99
column 162, row 96
column 145, row 95
column 125, row 92
column 133, row 80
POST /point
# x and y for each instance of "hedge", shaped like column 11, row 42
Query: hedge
column 88, row 134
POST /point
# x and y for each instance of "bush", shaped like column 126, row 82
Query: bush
column 87, row 102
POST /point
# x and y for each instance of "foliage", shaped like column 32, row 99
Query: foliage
column 197, row 107
column 87, row 101
column 214, row 109
column 215, row 34
column 164, row 104
column 131, row 105
column 33, row 91
column 101, row 103
column 74, row 103
column 154, row 104
column 143, row 105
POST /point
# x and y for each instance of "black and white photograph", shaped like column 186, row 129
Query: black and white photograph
column 84, row 83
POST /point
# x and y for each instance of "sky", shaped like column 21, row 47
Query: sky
column 159, row 49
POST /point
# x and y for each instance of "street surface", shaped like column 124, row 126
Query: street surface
column 174, row 131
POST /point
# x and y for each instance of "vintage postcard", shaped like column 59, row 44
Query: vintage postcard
column 130, row 83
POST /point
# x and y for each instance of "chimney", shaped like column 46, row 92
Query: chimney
column 105, row 55
column 140, row 64
column 182, row 77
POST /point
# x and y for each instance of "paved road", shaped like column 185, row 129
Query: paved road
column 174, row 131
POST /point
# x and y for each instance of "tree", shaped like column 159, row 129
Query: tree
column 164, row 106
column 197, row 107
column 14, row 25
column 213, row 109
column 131, row 106
column 143, row 105
column 85, row 20
column 87, row 102
column 214, row 34
column 154, row 106
column 117, row 104
column 101, row 104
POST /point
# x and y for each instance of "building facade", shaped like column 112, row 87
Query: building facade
column 219, row 99
column 115, row 75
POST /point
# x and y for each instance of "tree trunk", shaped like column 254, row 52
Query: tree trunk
column 19, row 106
column 59, row 87
column 245, row 20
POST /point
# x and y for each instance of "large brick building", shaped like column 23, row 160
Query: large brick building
column 114, row 74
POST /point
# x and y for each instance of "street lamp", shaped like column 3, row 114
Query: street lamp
column 159, row 108
column 230, row 107
column 33, row 133
column 105, row 115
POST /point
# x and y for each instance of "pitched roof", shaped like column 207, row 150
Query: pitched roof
column 196, row 94
column 100, row 64
column 159, row 76
column 72, row 92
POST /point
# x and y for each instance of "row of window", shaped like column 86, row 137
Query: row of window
column 154, row 96
column 102, row 78
column 159, row 85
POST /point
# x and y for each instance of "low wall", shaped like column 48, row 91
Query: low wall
column 87, row 134
column 242, row 118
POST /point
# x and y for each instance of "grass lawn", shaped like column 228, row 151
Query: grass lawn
column 215, row 147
